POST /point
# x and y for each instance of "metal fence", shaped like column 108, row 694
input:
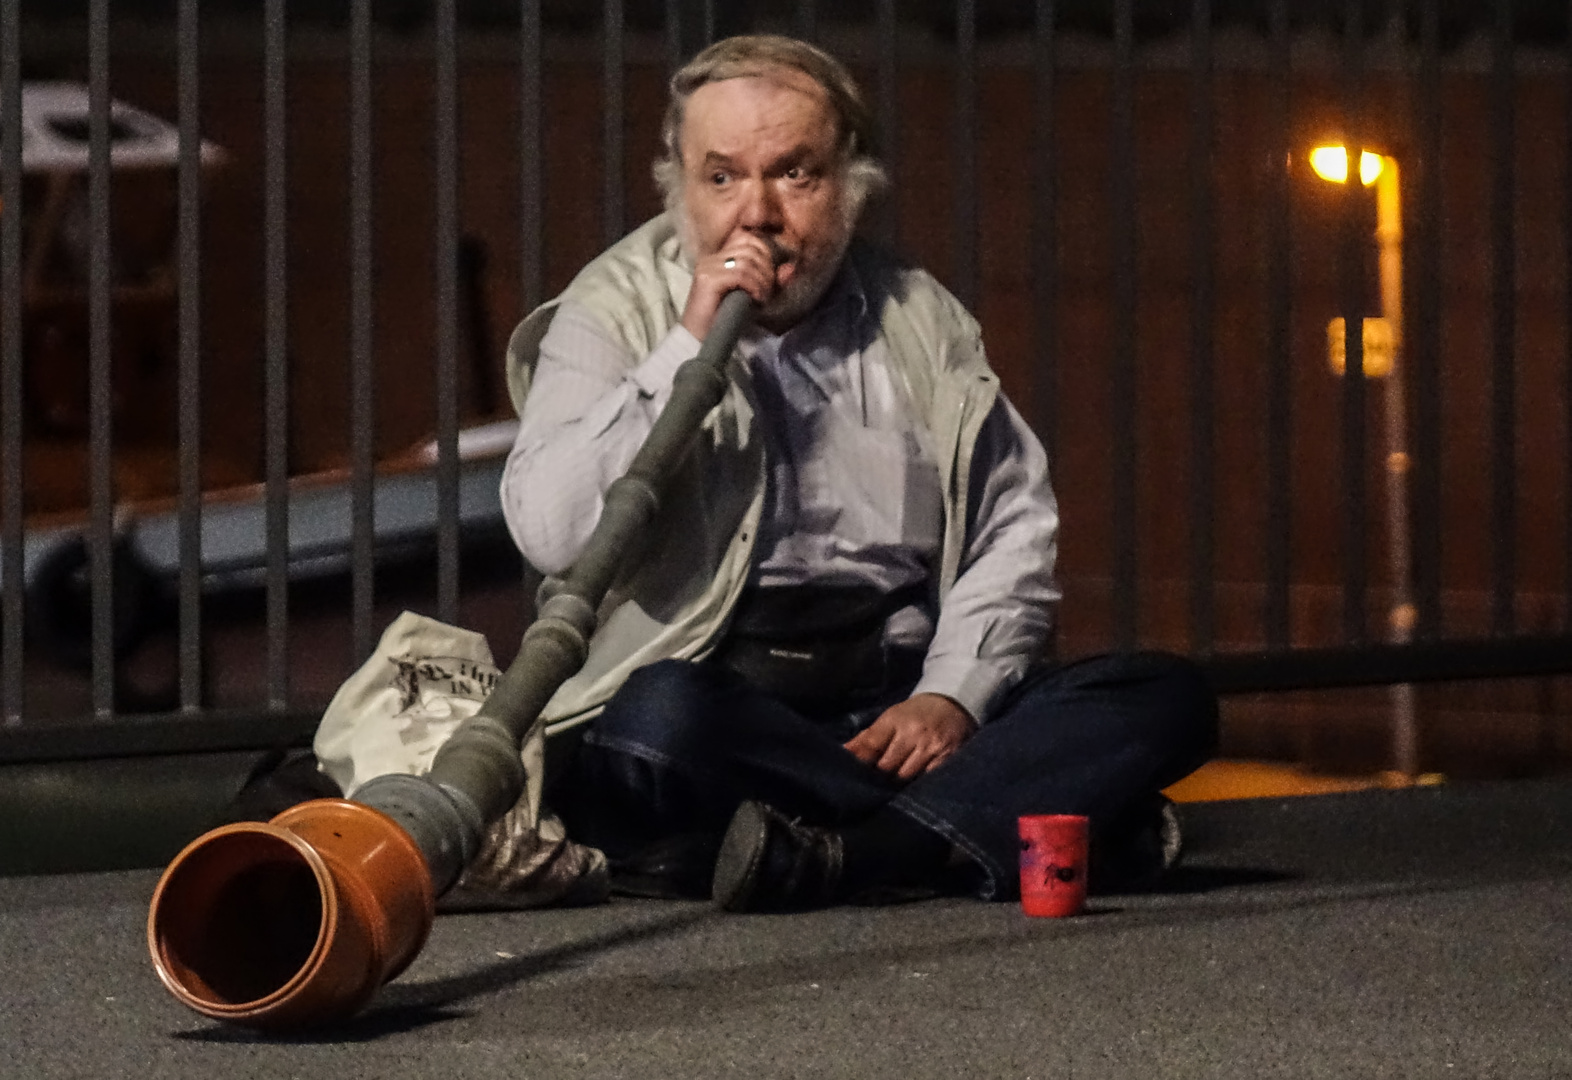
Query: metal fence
column 1167, row 433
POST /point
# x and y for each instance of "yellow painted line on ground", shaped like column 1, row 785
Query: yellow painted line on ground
column 1226, row 779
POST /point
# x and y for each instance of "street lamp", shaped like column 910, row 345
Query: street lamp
column 1331, row 163
column 1383, row 336
column 1383, row 351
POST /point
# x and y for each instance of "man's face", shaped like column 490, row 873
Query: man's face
column 759, row 156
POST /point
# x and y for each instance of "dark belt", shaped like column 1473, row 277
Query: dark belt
column 818, row 646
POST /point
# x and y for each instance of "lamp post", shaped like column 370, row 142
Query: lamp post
column 1331, row 164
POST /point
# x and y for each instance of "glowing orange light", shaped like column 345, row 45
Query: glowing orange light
column 1331, row 163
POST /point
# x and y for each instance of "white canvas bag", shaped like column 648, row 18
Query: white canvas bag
column 422, row 681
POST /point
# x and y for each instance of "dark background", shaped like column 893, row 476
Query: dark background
column 1496, row 727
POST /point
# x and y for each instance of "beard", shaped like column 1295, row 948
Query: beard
column 794, row 300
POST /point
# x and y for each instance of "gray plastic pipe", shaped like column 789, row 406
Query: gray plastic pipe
column 298, row 921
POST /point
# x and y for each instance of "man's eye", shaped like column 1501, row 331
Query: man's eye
column 797, row 174
column 718, row 178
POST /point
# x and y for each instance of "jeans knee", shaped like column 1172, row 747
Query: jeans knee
column 1189, row 704
column 665, row 708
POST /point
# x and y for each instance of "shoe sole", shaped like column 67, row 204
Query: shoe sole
column 1171, row 835
column 737, row 865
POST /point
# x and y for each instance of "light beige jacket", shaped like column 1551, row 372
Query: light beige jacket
column 675, row 600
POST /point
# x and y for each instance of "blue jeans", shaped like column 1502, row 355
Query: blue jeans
column 681, row 744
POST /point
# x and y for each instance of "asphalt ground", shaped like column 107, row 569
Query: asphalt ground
column 1416, row 933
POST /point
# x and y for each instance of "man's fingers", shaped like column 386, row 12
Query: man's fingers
column 938, row 759
column 746, row 263
column 911, row 755
column 896, row 755
column 757, row 282
column 748, row 268
column 920, row 758
column 915, row 765
column 868, row 745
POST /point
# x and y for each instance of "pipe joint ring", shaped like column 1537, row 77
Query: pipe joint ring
column 557, row 633
column 550, row 586
column 571, row 609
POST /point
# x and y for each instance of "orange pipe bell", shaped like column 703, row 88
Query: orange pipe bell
column 293, row 923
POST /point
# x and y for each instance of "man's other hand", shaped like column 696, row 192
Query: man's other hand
column 913, row 736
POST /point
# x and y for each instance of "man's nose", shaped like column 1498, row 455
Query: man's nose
column 761, row 210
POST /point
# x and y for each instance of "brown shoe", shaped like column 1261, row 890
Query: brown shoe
column 769, row 862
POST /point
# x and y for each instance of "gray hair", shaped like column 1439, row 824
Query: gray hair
column 760, row 54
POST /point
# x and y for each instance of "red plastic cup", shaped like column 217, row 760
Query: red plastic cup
column 1053, row 864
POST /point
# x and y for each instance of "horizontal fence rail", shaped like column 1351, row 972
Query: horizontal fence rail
column 356, row 211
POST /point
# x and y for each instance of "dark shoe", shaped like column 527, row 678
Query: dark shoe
column 769, row 862
column 672, row 868
column 1136, row 857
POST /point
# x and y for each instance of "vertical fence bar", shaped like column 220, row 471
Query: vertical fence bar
column 1566, row 224
column 275, row 123
column 446, row 123
column 675, row 25
column 532, row 172
column 1423, row 335
column 612, row 121
column 1355, row 240
column 690, row 26
column 189, row 256
column 12, row 530
column 1203, row 629
column 100, row 408
column 1503, row 382
column 1045, row 233
column 805, row 20
column 362, row 320
column 1122, row 192
column 964, row 149
column 889, row 117
column 1278, row 612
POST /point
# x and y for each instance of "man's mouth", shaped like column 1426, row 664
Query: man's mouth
column 779, row 252
column 785, row 264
